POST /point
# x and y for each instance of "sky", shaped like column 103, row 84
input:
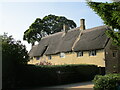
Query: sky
column 16, row 17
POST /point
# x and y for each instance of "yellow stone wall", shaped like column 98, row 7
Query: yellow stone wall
column 71, row 58
column 34, row 61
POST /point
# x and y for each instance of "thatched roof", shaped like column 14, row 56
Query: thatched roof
column 93, row 38
column 33, row 51
column 62, row 42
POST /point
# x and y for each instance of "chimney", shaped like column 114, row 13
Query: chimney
column 65, row 28
column 82, row 24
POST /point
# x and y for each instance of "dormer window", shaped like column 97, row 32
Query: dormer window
column 62, row 55
column 92, row 53
column 79, row 54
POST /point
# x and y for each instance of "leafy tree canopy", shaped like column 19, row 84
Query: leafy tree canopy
column 48, row 25
column 13, row 51
column 110, row 14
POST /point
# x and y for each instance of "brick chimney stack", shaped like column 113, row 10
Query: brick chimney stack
column 82, row 24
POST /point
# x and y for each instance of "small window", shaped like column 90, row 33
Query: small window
column 49, row 57
column 114, row 53
column 62, row 55
column 37, row 58
column 79, row 54
column 92, row 53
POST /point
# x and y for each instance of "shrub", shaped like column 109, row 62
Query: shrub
column 42, row 75
column 107, row 82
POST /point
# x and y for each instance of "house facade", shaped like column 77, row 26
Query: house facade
column 72, row 58
column 75, row 46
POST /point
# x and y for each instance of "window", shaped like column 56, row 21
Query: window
column 37, row 58
column 62, row 55
column 79, row 54
column 114, row 53
column 49, row 57
column 92, row 53
column 31, row 57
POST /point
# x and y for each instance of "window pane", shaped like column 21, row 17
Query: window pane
column 62, row 55
column 50, row 57
column 37, row 58
column 92, row 53
column 114, row 54
column 79, row 54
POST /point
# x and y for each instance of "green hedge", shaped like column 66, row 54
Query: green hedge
column 31, row 75
column 107, row 82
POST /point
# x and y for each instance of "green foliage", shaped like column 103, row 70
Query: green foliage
column 13, row 50
column 110, row 14
column 115, row 36
column 35, row 32
column 48, row 25
column 107, row 82
column 31, row 75
column 13, row 54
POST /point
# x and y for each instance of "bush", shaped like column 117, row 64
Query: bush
column 107, row 82
column 31, row 75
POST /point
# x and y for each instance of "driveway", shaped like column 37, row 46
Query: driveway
column 75, row 85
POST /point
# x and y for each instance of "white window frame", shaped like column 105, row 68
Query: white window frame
column 62, row 55
column 80, row 54
column 92, row 53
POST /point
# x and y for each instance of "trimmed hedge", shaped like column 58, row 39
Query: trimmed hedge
column 107, row 82
column 31, row 75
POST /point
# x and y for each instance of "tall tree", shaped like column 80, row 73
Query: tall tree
column 48, row 25
column 110, row 14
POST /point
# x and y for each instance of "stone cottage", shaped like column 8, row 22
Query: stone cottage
column 75, row 46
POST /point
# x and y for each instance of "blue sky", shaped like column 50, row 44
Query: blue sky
column 16, row 17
